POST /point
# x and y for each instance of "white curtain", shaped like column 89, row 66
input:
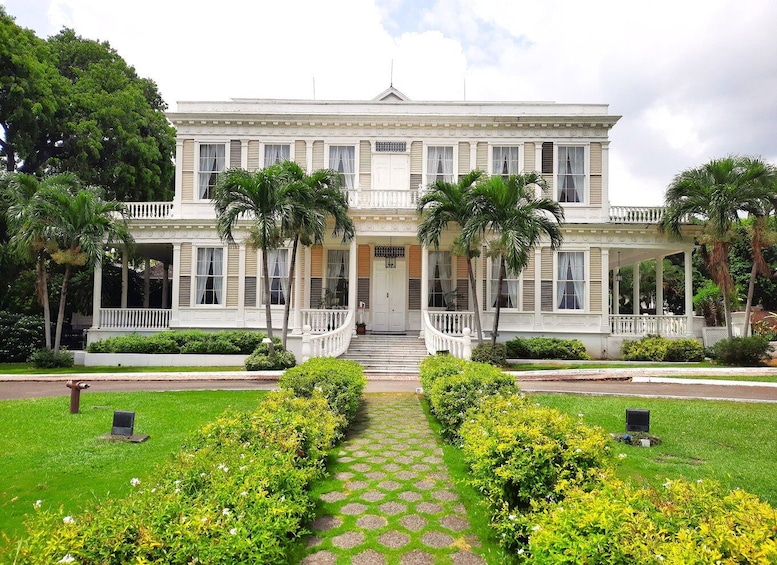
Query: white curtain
column 440, row 266
column 341, row 159
column 505, row 161
column 212, row 160
column 570, row 281
column 439, row 164
column 209, row 275
column 511, row 281
column 571, row 169
column 275, row 154
column 337, row 275
column 279, row 273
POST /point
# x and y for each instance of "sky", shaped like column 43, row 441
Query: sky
column 693, row 80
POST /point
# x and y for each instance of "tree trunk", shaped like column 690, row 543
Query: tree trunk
column 473, row 285
column 727, row 313
column 498, row 300
column 61, row 313
column 749, row 305
column 43, row 295
column 290, row 286
column 267, row 309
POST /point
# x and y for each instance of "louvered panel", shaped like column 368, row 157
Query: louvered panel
column 316, row 261
column 414, row 294
column 530, row 271
column 547, row 158
column 595, row 300
column 234, row 153
column 363, row 291
column 548, row 191
column 251, row 262
column 184, row 291
column 464, row 167
column 462, row 289
column 365, row 182
column 318, row 155
column 528, row 157
column 187, row 186
column 596, row 189
column 187, row 161
column 547, row 264
column 250, row 292
column 415, row 181
column 484, row 294
column 300, row 153
column 365, row 158
column 482, row 156
column 416, row 160
column 596, row 264
column 546, row 296
column 186, row 259
column 363, row 262
column 528, row 295
column 233, row 260
column 232, row 285
column 414, row 262
column 595, row 151
column 253, row 155
column 461, row 267
column 316, row 292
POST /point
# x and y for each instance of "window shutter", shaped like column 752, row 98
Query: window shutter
column 547, row 158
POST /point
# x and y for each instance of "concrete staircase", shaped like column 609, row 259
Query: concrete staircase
column 393, row 357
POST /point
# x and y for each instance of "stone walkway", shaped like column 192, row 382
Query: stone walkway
column 392, row 500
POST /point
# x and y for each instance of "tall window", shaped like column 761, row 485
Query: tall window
column 505, row 161
column 570, row 282
column 278, row 269
column 440, row 283
column 210, row 275
column 439, row 164
column 509, row 286
column 274, row 154
column 212, row 162
column 337, row 277
column 342, row 159
column 571, row 174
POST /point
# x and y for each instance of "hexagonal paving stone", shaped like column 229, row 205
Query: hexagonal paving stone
column 431, row 459
column 377, row 460
column 389, row 453
column 389, row 485
column 361, row 467
column 392, row 508
column 371, row 522
column 417, row 557
column 466, row 558
column 375, row 475
column 356, row 485
column 439, row 475
column 360, row 453
column 436, row 539
column 413, row 440
column 404, row 459
column 414, row 453
column 409, row 496
column 406, row 475
column 369, row 557
column 420, row 467
column 391, row 467
column 320, row 558
column 413, row 522
column 445, row 495
column 348, row 540
column 313, row 541
column 343, row 476
column 424, row 485
column 454, row 523
column 373, row 496
column 345, row 459
column 429, row 508
column 394, row 540
column 333, row 496
column 459, row 508
column 324, row 523
column 353, row 509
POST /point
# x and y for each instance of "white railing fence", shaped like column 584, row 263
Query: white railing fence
column 666, row 326
column 452, row 323
column 402, row 199
column 332, row 343
column 135, row 318
column 323, row 320
column 149, row 210
column 636, row 214
column 458, row 346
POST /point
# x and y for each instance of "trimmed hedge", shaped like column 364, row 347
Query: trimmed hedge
column 49, row 359
column 239, row 342
column 657, row 348
column 279, row 360
column 485, row 353
column 546, row 348
column 439, row 366
column 747, row 351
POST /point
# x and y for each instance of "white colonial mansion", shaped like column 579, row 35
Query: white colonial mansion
column 388, row 150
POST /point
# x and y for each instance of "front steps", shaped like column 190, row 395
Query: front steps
column 387, row 356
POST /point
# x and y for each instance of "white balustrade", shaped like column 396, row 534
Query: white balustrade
column 636, row 214
column 149, row 210
column 135, row 318
column 458, row 346
column 332, row 343
column 452, row 323
column 378, row 199
column 666, row 326
column 323, row 320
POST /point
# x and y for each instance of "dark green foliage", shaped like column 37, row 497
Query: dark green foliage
column 742, row 351
column 48, row 359
column 649, row 348
column 546, row 348
column 20, row 336
column 242, row 342
column 684, row 350
column 278, row 360
column 492, row 354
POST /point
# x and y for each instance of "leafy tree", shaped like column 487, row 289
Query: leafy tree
column 673, row 279
column 317, row 197
column 513, row 221
column 444, row 203
column 716, row 193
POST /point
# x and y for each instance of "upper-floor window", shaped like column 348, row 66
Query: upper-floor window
column 509, row 298
column 342, row 158
column 337, row 277
column 439, row 164
column 505, row 161
column 210, row 276
column 278, row 269
column 212, row 162
column 571, row 174
column 277, row 153
column 441, row 294
column 570, row 282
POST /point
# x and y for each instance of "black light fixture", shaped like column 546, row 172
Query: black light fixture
column 618, row 269
column 637, row 420
column 123, row 423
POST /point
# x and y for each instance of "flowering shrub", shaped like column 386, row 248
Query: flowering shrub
column 20, row 336
column 439, row 366
column 686, row 523
column 277, row 361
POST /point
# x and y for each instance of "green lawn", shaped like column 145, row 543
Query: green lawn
column 732, row 442
column 26, row 369
column 51, row 455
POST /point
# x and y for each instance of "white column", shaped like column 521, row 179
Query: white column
column 174, row 317
column 146, row 282
column 352, row 282
column 688, row 292
column 605, row 276
column 659, row 286
column 166, row 285
column 97, row 290
column 424, row 284
column 298, row 299
column 309, row 155
column 244, row 154
column 241, row 283
column 179, row 176
column 606, row 179
column 537, row 287
column 635, row 291
column 124, row 277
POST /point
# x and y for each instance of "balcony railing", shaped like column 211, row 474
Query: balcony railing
column 149, row 210
column 436, row 341
column 636, row 214
column 452, row 323
column 323, row 320
column 377, row 199
column 666, row 326
column 135, row 318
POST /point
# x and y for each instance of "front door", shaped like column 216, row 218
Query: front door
column 389, row 304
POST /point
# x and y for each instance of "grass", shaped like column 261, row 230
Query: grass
column 26, row 369
column 731, row 442
column 559, row 365
column 51, row 455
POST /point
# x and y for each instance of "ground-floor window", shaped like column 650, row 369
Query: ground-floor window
column 337, row 278
column 278, row 270
column 509, row 298
column 570, row 282
column 210, row 275
column 441, row 293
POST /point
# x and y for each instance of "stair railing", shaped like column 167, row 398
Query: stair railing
column 438, row 342
column 332, row 343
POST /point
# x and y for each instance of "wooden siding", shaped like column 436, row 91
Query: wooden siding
column 464, row 167
column 186, row 259
column 481, row 159
column 528, row 295
column 316, row 262
column 363, row 291
column 596, row 158
column 250, row 292
column 461, row 267
column 233, row 260
column 595, row 300
column 414, row 262
column 596, row 264
column 232, row 285
column 416, row 158
column 301, row 154
column 546, row 288
column 187, row 172
column 547, row 264
column 318, row 155
column 184, row 291
column 363, row 262
column 253, row 155
column 596, row 189
column 528, row 157
column 251, row 262
column 529, row 271
column 234, row 154
column 462, row 289
column 365, row 157
column 316, row 292
column 547, row 158
column 414, row 294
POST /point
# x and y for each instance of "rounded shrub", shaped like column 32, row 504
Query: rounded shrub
column 438, row 366
column 48, row 359
column 277, row 361
column 649, row 348
column 493, row 355
column 684, row 350
column 742, row 351
column 546, row 348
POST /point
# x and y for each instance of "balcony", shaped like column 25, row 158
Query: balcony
column 636, row 214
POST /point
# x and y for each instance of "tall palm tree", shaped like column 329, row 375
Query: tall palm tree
column 264, row 199
column 79, row 224
column 444, row 203
column 317, row 197
column 513, row 221
column 716, row 193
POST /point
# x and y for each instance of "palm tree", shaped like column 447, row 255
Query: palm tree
column 264, row 198
column 444, row 203
column 509, row 212
column 79, row 224
column 717, row 192
column 317, row 196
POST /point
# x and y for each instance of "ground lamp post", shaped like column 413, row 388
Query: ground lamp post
column 75, row 394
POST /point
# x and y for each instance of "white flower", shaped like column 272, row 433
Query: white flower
column 67, row 559
column 134, row 481
column 176, row 483
column 511, row 516
column 176, row 491
column 520, row 551
column 621, row 456
column 697, row 480
column 578, row 450
column 223, row 467
column 153, row 490
column 579, row 415
column 233, row 531
column 203, row 475
column 225, row 512
column 37, row 503
column 536, row 528
column 68, row 520
column 668, row 484
column 244, row 493
column 204, row 519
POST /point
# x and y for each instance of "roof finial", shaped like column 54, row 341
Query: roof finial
column 391, row 78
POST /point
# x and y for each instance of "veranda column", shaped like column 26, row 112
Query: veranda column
column 352, row 282
column 424, row 286
column 241, row 284
column 166, row 285
column 146, row 282
column 606, row 326
column 174, row 321
column 298, row 276
column 97, row 293
column 659, row 286
column 635, row 293
column 688, row 293
column 537, row 288
column 124, row 277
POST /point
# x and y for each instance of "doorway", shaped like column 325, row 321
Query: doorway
column 389, row 305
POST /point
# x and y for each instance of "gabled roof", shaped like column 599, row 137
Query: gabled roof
column 391, row 94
